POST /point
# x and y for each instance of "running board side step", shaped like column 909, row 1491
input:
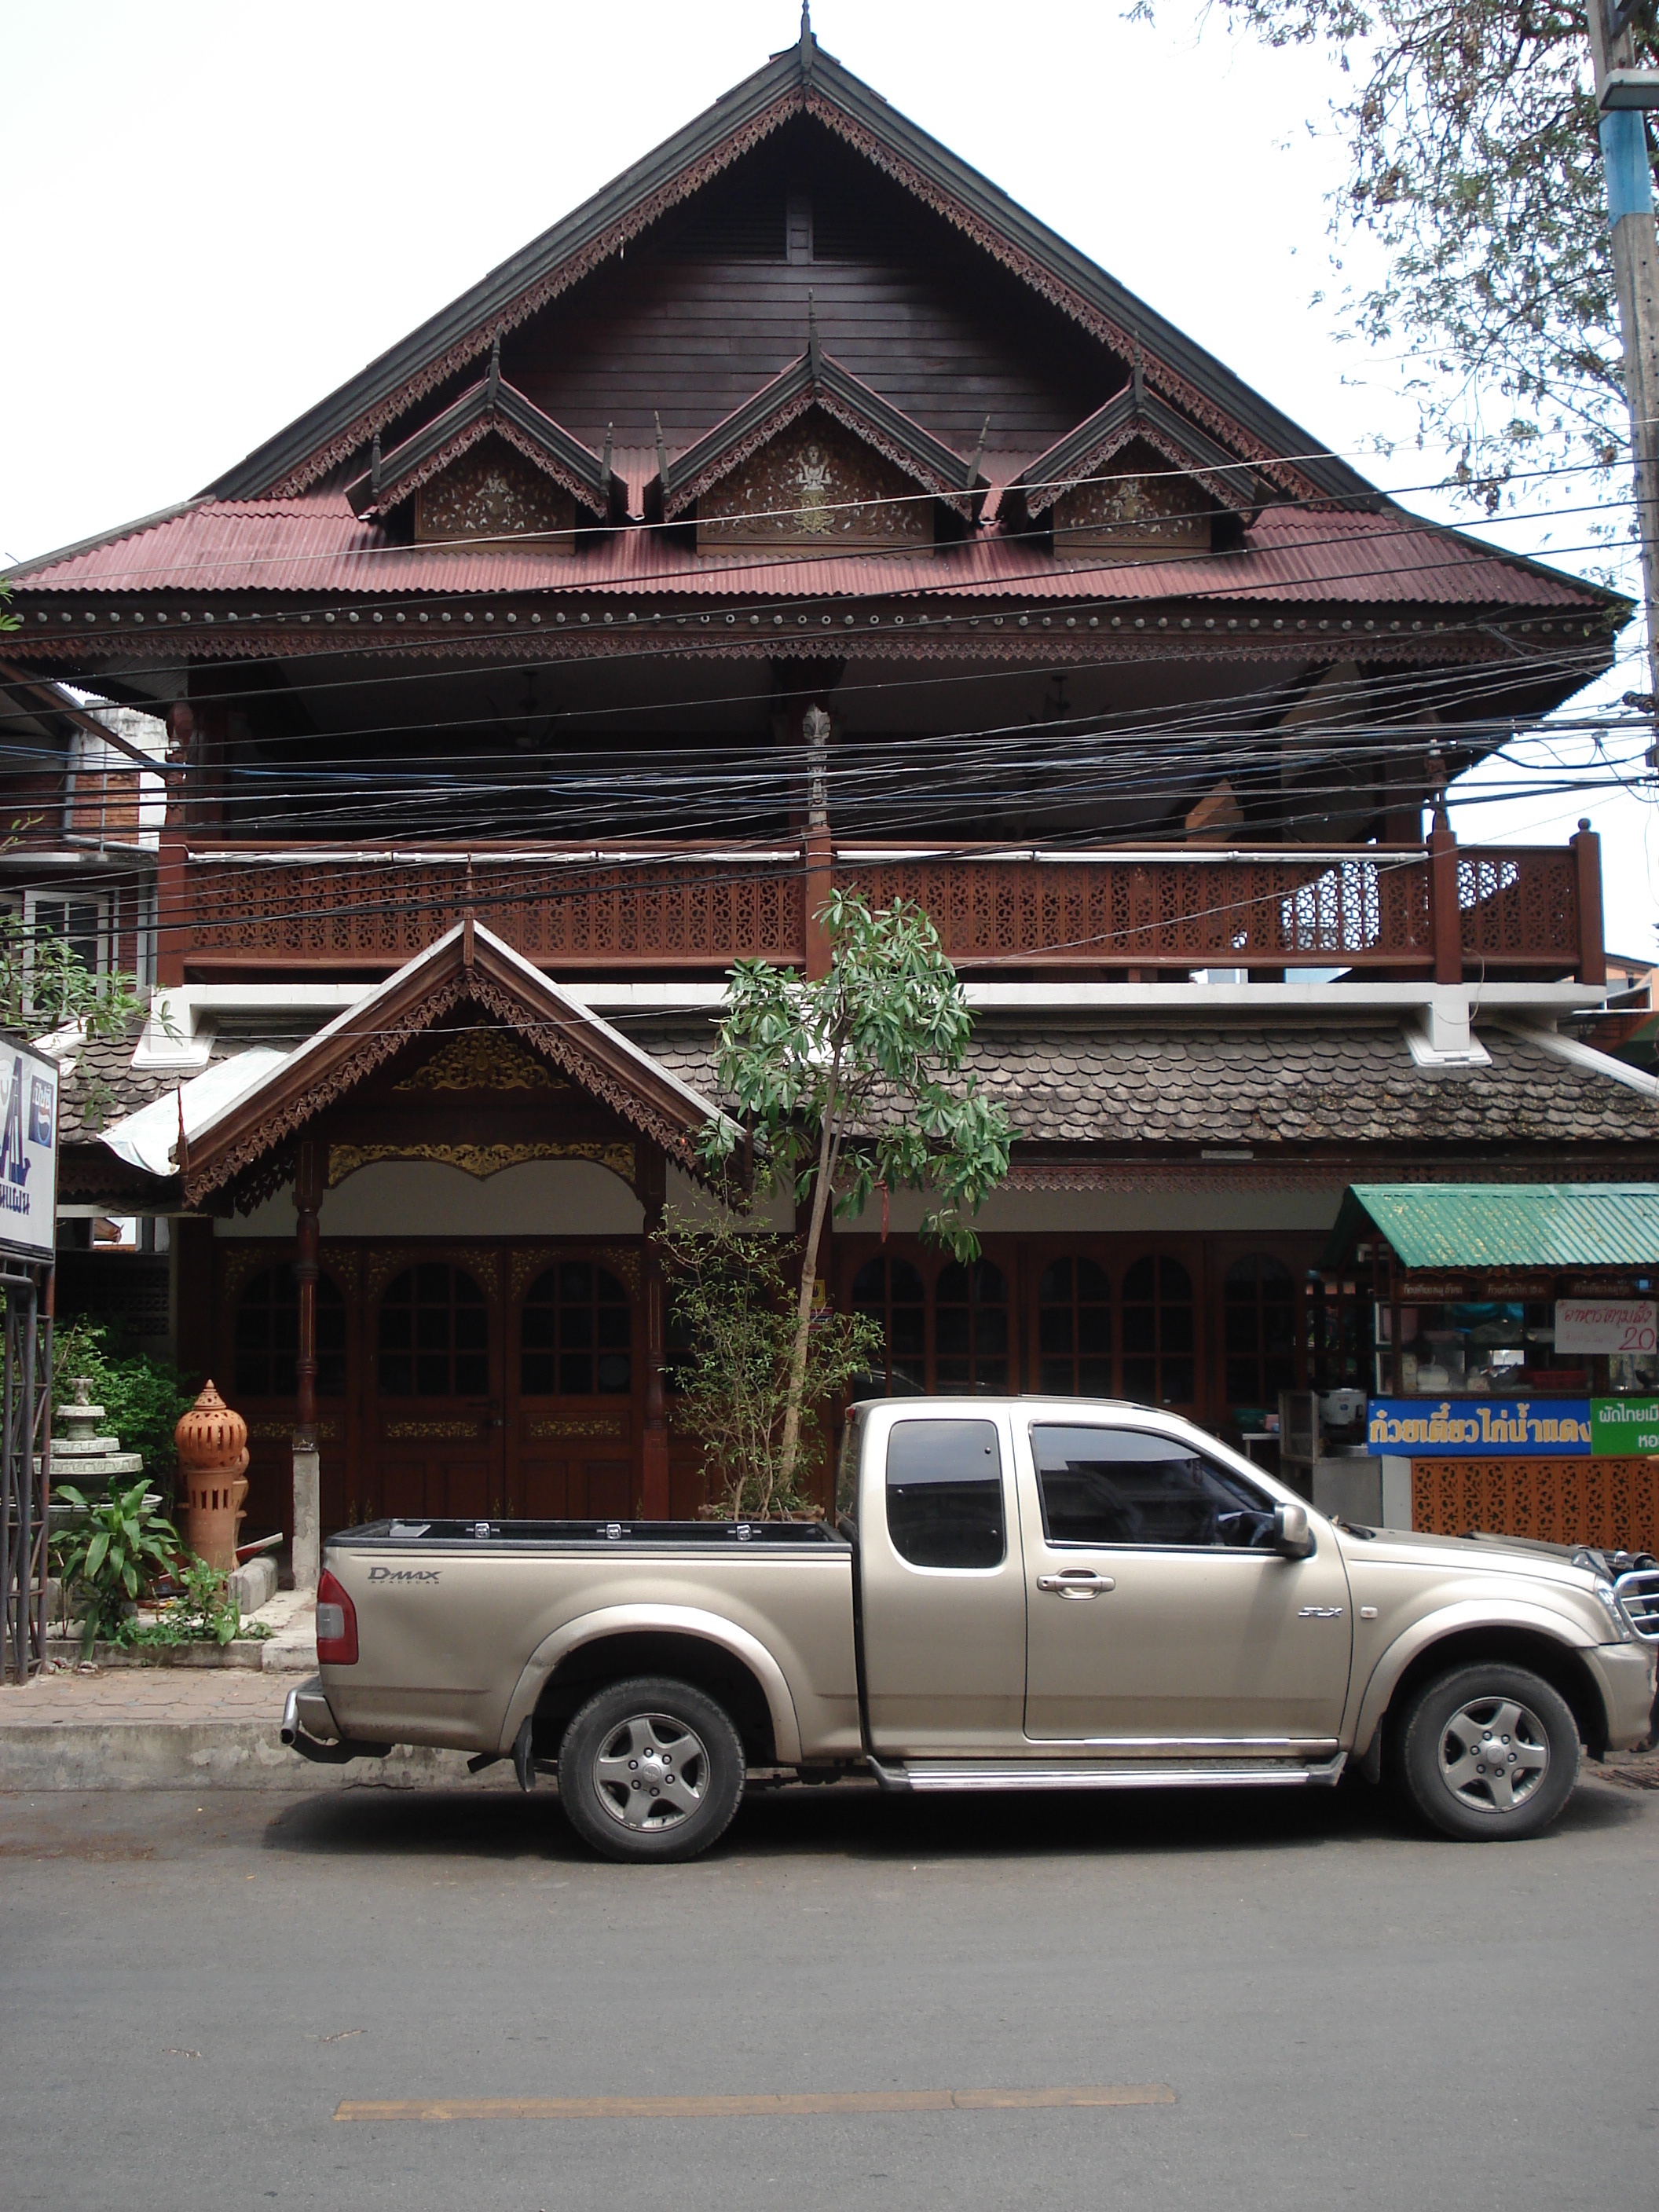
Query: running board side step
column 1139, row 1774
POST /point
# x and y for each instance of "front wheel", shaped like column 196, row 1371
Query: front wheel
column 651, row 1769
column 1489, row 1753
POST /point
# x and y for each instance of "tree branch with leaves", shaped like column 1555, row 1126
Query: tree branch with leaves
column 1474, row 161
column 853, row 1080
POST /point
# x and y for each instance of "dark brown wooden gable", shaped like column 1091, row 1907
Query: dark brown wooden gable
column 697, row 317
column 1135, row 504
column 815, row 483
column 492, row 492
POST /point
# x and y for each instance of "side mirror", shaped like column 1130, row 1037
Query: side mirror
column 1293, row 1538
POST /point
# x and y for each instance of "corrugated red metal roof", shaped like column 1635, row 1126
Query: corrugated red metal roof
column 315, row 544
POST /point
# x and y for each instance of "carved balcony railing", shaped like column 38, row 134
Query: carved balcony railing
column 230, row 907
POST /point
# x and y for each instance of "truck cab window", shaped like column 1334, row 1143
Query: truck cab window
column 1101, row 1486
column 945, row 1493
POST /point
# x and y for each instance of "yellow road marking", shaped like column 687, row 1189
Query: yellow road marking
column 790, row 2103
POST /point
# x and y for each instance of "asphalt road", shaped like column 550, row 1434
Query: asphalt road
column 1347, row 2013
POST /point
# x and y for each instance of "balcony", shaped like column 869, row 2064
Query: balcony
column 235, row 907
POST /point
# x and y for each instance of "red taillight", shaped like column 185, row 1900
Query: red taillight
column 337, row 1625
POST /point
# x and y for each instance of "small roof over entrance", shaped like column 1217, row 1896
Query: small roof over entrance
column 245, row 1144
column 1482, row 1224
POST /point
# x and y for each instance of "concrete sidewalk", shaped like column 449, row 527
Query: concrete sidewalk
column 177, row 1728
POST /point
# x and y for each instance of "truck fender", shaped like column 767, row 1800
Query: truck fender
column 680, row 1619
column 1449, row 1620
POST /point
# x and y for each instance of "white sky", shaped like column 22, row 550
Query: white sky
column 215, row 214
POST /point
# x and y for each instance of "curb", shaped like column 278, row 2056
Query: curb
column 197, row 1755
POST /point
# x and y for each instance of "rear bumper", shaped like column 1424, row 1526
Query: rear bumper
column 1628, row 1675
column 309, row 1727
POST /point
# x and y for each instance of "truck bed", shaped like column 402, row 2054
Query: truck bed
column 464, row 1625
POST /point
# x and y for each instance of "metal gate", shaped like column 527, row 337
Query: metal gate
column 25, row 1457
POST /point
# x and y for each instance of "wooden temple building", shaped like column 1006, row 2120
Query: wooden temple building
column 485, row 688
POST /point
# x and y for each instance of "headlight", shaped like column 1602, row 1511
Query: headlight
column 1609, row 1598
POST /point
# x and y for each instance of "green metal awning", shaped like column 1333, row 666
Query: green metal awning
column 1504, row 1225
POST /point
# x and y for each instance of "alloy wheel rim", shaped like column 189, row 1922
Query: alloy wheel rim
column 650, row 1772
column 1494, row 1755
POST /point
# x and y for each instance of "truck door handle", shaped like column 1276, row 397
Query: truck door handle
column 1076, row 1581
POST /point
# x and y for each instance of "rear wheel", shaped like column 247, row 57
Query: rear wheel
column 1489, row 1753
column 651, row 1769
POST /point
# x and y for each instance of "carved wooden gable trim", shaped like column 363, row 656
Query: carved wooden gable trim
column 814, row 482
column 1135, row 502
column 488, row 491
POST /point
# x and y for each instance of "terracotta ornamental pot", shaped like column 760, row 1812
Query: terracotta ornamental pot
column 212, row 1446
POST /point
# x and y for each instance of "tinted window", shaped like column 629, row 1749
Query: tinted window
column 1127, row 1486
column 945, row 1493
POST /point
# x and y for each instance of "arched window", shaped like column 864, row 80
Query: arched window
column 1259, row 1321
column 892, row 1292
column 434, row 1334
column 970, row 1328
column 268, row 1336
column 1158, row 1338
column 1074, row 1329
column 575, row 1335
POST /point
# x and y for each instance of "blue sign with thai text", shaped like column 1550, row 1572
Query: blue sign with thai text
column 1471, row 1428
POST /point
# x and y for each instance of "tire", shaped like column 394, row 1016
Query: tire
column 651, row 1769
column 1488, row 1753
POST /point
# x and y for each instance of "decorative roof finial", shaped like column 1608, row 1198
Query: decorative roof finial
column 374, row 467
column 814, row 351
column 807, row 41
column 662, row 457
column 1137, row 380
column 494, row 369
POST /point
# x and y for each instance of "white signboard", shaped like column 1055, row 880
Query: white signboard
column 29, row 1154
column 1606, row 1324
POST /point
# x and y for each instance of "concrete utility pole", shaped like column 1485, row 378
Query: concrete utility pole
column 1623, row 92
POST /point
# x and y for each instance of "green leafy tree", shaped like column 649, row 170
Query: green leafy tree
column 48, row 983
column 854, row 1079
column 142, row 1398
column 8, row 621
column 1474, row 160
column 733, row 1317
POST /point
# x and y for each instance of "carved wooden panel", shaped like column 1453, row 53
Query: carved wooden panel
column 1605, row 1502
column 1136, row 504
column 482, row 1059
column 1223, row 913
column 490, row 491
column 815, row 483
column 1519, row 908
column 684, row 914
column 1513, row 903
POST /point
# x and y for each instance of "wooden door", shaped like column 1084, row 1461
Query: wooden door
column 435, row 1416
column 574, row 1382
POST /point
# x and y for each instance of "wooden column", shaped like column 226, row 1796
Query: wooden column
column 1445, row 918
column 309, row 1170
column 1592, row 943
column 653, row 1453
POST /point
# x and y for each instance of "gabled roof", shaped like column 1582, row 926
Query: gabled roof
column 801, row 80
column 489, row 405
column 1135, row 412
column 468, row 965
column 815, row 379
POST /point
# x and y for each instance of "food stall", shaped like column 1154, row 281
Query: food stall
column 1510, row 1332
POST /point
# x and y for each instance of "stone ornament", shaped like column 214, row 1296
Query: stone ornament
column 212, row 1446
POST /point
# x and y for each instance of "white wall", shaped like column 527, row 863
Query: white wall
column 423, row 1198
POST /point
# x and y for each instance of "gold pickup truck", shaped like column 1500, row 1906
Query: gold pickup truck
column 1017, row 1593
